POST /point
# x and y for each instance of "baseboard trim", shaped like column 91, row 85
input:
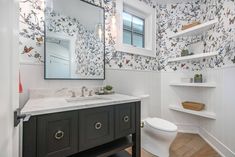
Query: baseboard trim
column 187, row 128
column 222, row 149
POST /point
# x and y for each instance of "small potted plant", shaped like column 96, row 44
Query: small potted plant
column 184, row 52
column 108, row 89
column 198, row 78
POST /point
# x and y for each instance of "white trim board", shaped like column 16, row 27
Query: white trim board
column 135, row 70
column 203, row 113
column 204, row 85
column 187, row 128
column 222, row 149
column 193, row 57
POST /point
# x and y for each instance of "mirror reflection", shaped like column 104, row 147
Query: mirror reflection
column 74, row 47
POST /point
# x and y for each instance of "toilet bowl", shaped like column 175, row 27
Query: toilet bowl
column 157, row 135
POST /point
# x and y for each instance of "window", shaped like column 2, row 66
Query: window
column 133, row 30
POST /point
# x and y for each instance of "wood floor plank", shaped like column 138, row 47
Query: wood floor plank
column 187, row 145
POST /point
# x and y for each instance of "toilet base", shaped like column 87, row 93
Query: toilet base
column 155, row 148
column 157, row 143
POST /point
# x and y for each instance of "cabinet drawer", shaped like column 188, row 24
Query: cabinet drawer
column 125, row 119
column 57, row 134
column 96, row 127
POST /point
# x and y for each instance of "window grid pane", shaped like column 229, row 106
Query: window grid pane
column 133, row 30
column 138, row 25
column 127, row 37
column 127, row 21
column 138, row 40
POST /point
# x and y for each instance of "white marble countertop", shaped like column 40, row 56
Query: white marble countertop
column 39, row 106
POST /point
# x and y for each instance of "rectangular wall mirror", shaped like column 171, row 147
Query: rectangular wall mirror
column 75, row 42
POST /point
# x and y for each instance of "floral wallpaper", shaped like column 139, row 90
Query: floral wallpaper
column 89, row 53
column 170, row 19
column 31, row 39
column 32, row 29
column 220, row 38
column 89, row 50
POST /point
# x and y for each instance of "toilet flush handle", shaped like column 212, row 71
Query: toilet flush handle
column 142, row 124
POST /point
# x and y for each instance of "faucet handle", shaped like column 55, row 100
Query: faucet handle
column 73, row 93
column 84, row 89
column 90, row 93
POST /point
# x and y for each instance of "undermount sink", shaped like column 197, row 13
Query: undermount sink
column 88, row 98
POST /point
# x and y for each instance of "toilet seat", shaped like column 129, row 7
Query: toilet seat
column 161, row 124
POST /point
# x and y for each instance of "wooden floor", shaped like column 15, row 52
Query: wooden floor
column 187, row 145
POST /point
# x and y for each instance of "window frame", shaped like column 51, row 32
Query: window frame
column 134, row 32
column 141, row 10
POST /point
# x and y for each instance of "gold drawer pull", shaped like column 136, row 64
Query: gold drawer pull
column 126, row 119
column 59, row 135
column 98, row 126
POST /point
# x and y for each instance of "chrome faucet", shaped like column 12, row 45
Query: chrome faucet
column 83, row 91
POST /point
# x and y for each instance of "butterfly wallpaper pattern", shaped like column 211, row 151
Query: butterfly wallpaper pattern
column 220, row 38
column 32, row 50
column 170, row 19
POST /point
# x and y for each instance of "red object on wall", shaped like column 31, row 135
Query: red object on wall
column 20, row 85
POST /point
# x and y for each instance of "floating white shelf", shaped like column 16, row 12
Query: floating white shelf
column 196, row 56
column 205, row 85
column 204, row 113
column 196, row 30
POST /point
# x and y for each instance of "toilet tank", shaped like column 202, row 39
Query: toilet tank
column 145, row 103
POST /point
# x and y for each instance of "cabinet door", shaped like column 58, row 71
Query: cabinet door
column 57, row 134
column 30, row 137
column 96, row 127
column 125, row 119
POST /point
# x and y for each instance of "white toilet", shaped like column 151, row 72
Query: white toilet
column 156, row 134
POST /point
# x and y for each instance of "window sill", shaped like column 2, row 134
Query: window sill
column 135, row 50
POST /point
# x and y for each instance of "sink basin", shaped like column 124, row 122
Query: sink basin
column 89, row 98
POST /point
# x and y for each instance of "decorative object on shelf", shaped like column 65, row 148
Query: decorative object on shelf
column 187, row 26
column 185, row 52
column 193, row 105
column 187, row 80
column 198, row 78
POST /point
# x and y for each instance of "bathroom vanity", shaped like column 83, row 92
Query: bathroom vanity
column 99, row 126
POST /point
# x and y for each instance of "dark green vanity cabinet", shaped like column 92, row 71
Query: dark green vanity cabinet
column 100, row 131
column 96, row 127
column 124, row 120
column 57, row 134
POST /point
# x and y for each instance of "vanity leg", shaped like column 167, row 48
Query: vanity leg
column 136, row 149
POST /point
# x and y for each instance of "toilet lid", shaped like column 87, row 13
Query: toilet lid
column 161, row 124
